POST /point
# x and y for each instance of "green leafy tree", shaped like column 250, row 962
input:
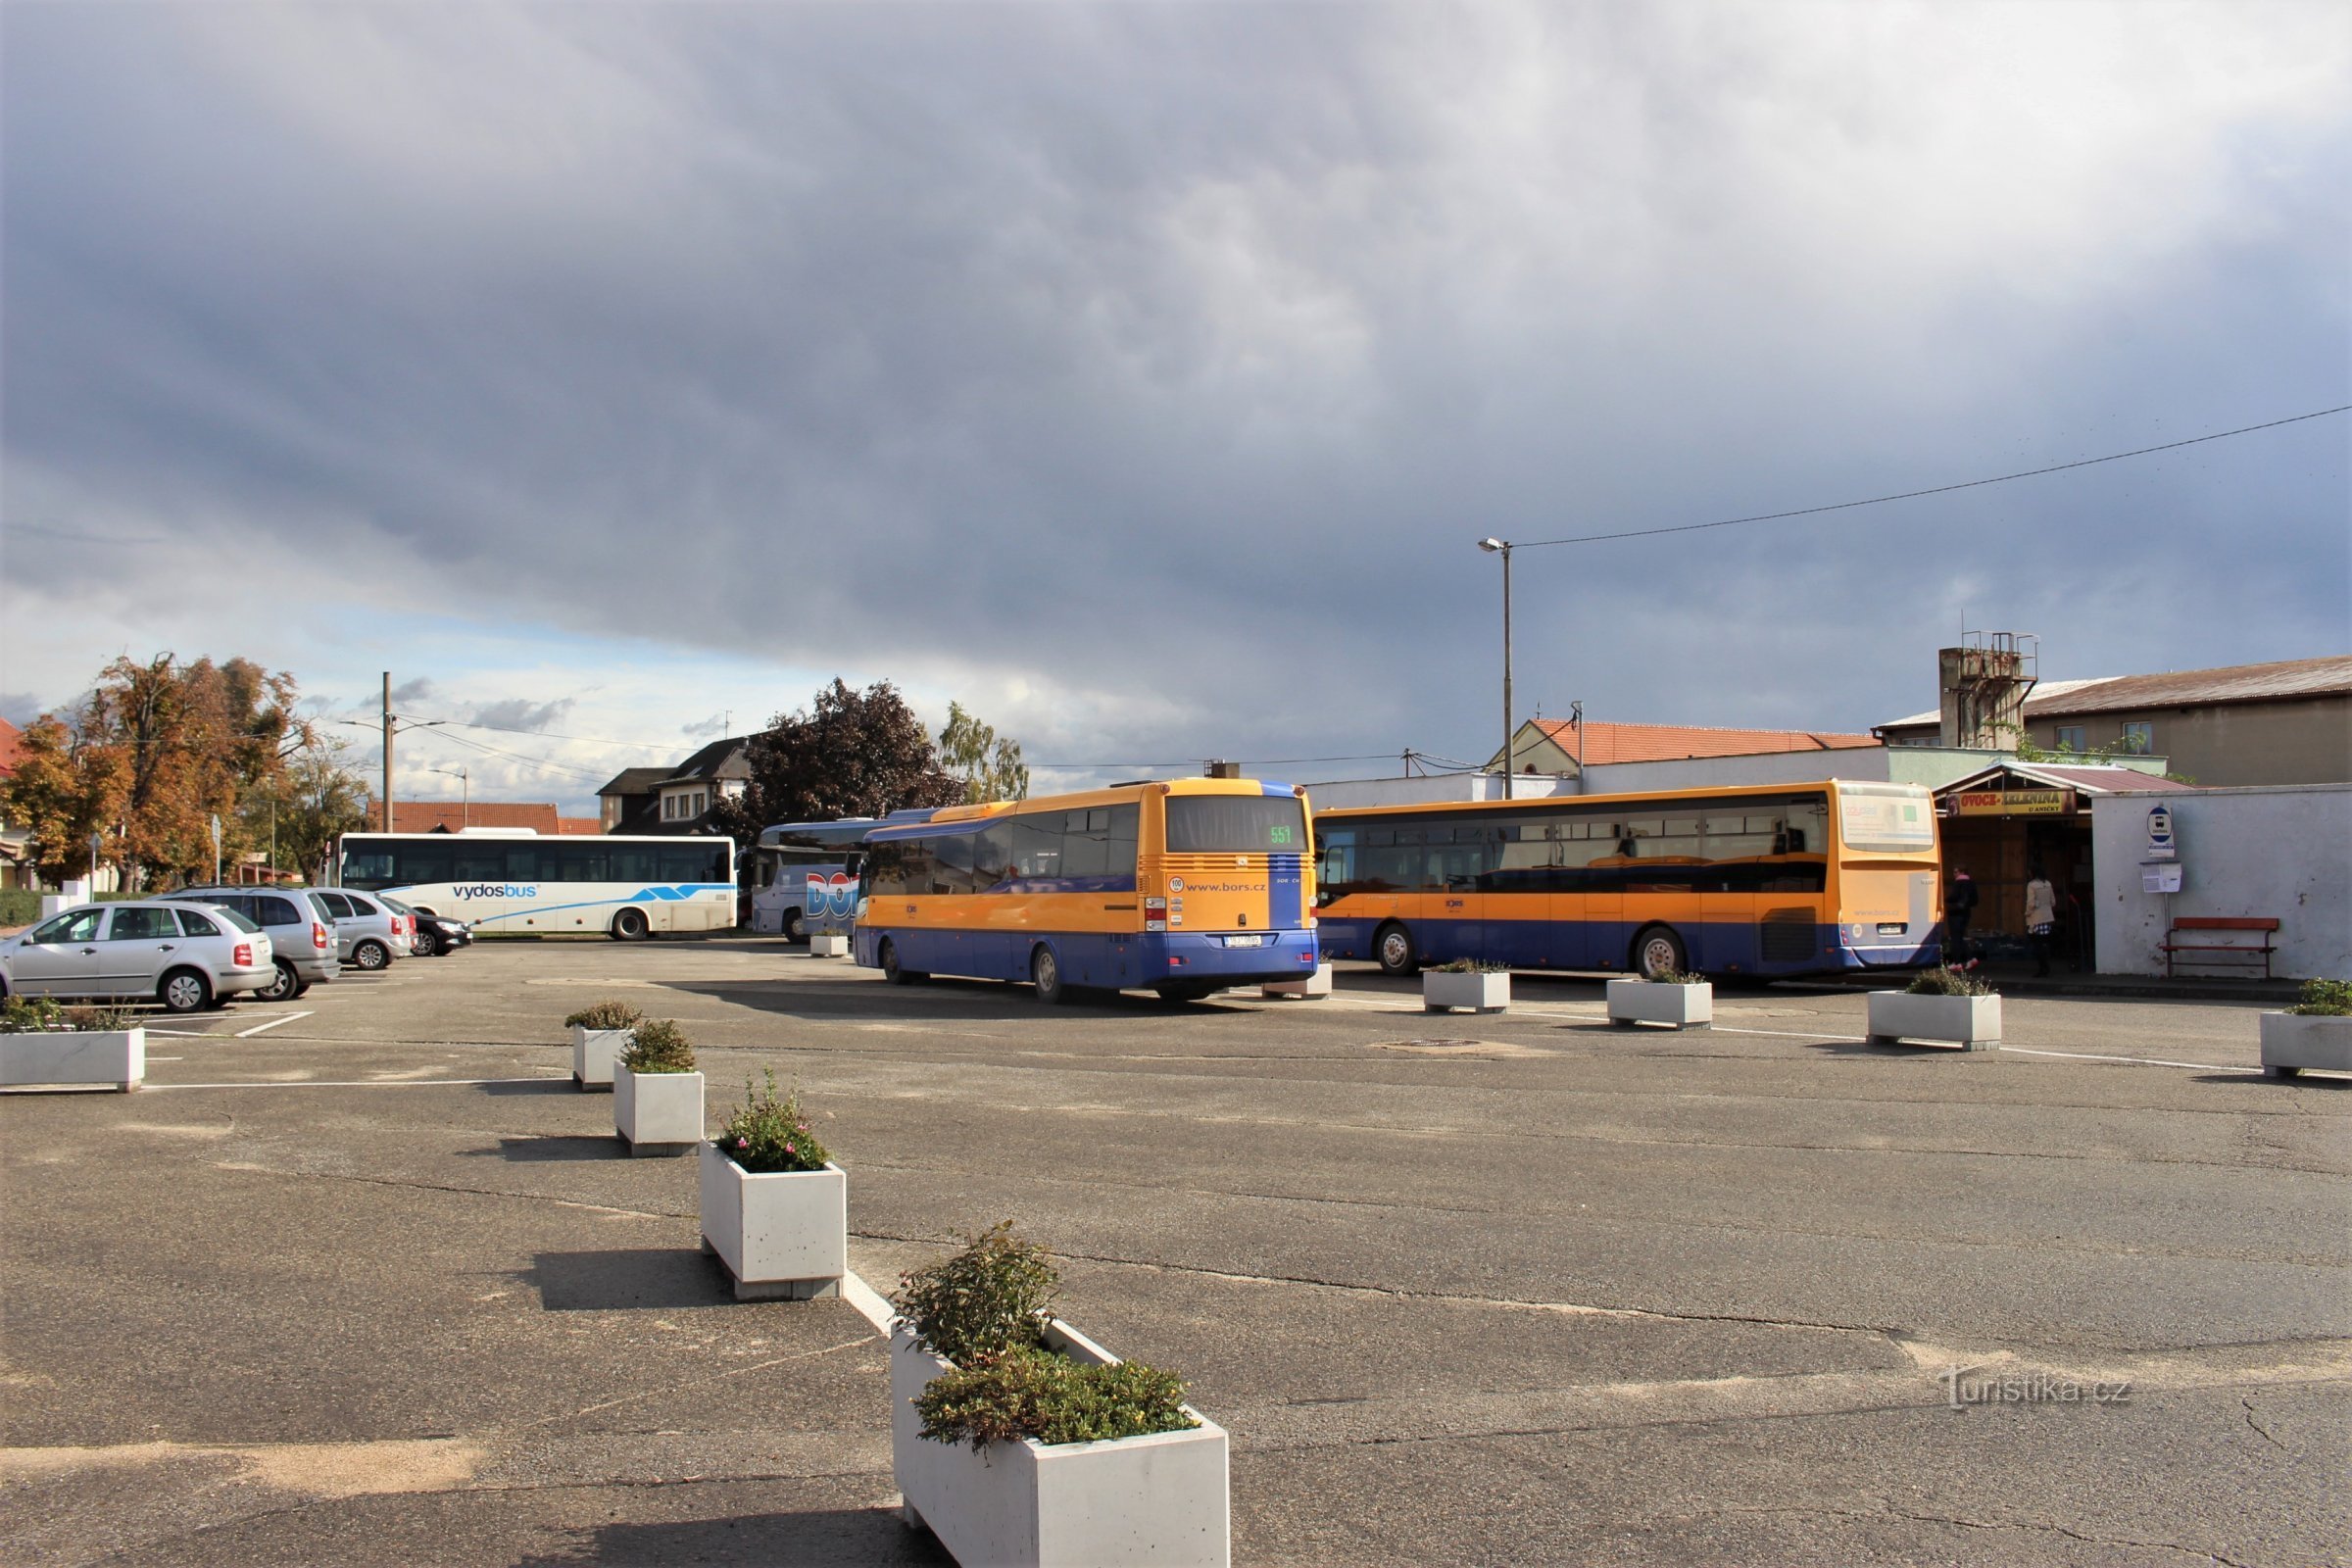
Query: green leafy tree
column 317, row 798
column 988, row 765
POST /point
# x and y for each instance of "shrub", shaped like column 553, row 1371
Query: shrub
column 1947, row 983
column 766, row 1133
column 104, row 1020
column 1036, row 1394
column 605, row 1015
column 659, row 1045
column 1677, row 977
column 2324, row 998
column 27, row 1015
column 993, row 1298
column 1471, row 966
column 19, row 907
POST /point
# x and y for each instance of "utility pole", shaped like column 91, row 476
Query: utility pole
column 387, row 751
column 1502, row 548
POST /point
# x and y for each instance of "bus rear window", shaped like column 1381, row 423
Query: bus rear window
column 1235, row 824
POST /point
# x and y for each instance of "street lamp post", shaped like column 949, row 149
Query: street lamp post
column 465, row 795
column 1502, row 548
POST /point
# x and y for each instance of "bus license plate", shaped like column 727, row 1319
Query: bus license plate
column 1246, row 942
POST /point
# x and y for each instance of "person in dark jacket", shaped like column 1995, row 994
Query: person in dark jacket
column 1959, row 909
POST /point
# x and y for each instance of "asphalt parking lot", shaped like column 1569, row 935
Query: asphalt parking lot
column 363, row 1278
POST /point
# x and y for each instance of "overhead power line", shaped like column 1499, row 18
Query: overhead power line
column 1937, row 490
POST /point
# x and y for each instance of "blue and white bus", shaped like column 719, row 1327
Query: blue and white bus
column 802, row 877
column 510, row 882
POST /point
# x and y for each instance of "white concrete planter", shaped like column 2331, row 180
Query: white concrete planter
column 1639, row 1002
column 1158, row 1500
column 828, row 945
column 784, row 1235
column 594, row 1053
column 1444, row 990
column 2292, row 1042
column 1971, row 1022
column 657, row 1112
column 1306, row 987
column 88, row 1058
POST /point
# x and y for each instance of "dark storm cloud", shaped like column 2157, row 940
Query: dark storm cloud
column 1170, row 361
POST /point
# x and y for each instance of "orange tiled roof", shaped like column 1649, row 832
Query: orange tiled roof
column 579, row 827
column 450, row 816
column 10, row 746
column 1603, row 744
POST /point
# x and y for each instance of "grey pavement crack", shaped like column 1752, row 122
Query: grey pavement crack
column 2264, row 1431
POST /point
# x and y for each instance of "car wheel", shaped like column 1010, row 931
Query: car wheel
column 796, row 929
column 1045, row 971
column 630, row 925
column 184, row 990
column 1657, row 950
column 1393, row 947
column 372, row 955
column 423, row 945
column 285, row 984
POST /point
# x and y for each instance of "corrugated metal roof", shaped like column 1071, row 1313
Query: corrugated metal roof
column 2192, row 688
column 2105, row 780
column 2042, row 691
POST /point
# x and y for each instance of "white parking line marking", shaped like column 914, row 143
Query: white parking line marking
column 374, row 1082
column 274, row 1023
column 2136, row 1061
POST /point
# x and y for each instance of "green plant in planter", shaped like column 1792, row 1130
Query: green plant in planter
column 985, row 1309
column 27, row 1015
column 2324, row 998
column 1470, row 966
column 766, row 1134
column 605, row 1015
column 1947, row 983
column 100, row 1019
column 659, row 1045
column 1677, row 977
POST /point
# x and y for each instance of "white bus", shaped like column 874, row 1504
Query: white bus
column 506, row 883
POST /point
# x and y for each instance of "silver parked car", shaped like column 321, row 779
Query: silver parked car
column 182, row 956
column 369, row 931
column 301, row 927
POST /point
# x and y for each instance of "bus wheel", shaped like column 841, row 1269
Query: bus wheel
column 1656, row 950
column 1046, row 970
column 1393, row 947
column 796, row 929
column 629, row 926
column 889, row 967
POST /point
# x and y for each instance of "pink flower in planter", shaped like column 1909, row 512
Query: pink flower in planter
column 742, row 1143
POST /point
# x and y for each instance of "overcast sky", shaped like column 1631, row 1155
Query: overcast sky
column 1144, row 375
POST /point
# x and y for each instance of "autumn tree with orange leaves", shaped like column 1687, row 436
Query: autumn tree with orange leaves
column 155, row 753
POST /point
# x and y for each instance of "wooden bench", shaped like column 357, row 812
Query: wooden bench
column 2225, row 941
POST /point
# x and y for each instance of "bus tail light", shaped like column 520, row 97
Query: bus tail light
column 1156, row 914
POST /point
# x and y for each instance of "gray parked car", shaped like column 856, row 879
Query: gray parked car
column 301, row 927
column 369, row 932
column 185, row 958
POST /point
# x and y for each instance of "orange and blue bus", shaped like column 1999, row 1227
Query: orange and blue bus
column 1782, row 879
column 1183, row 886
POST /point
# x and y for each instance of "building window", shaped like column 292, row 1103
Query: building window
column 2139, row 738
column 2070, row 738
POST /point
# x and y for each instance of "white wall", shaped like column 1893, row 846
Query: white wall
column 1447, row 787
column 1867, row 763
column 2284, row 852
